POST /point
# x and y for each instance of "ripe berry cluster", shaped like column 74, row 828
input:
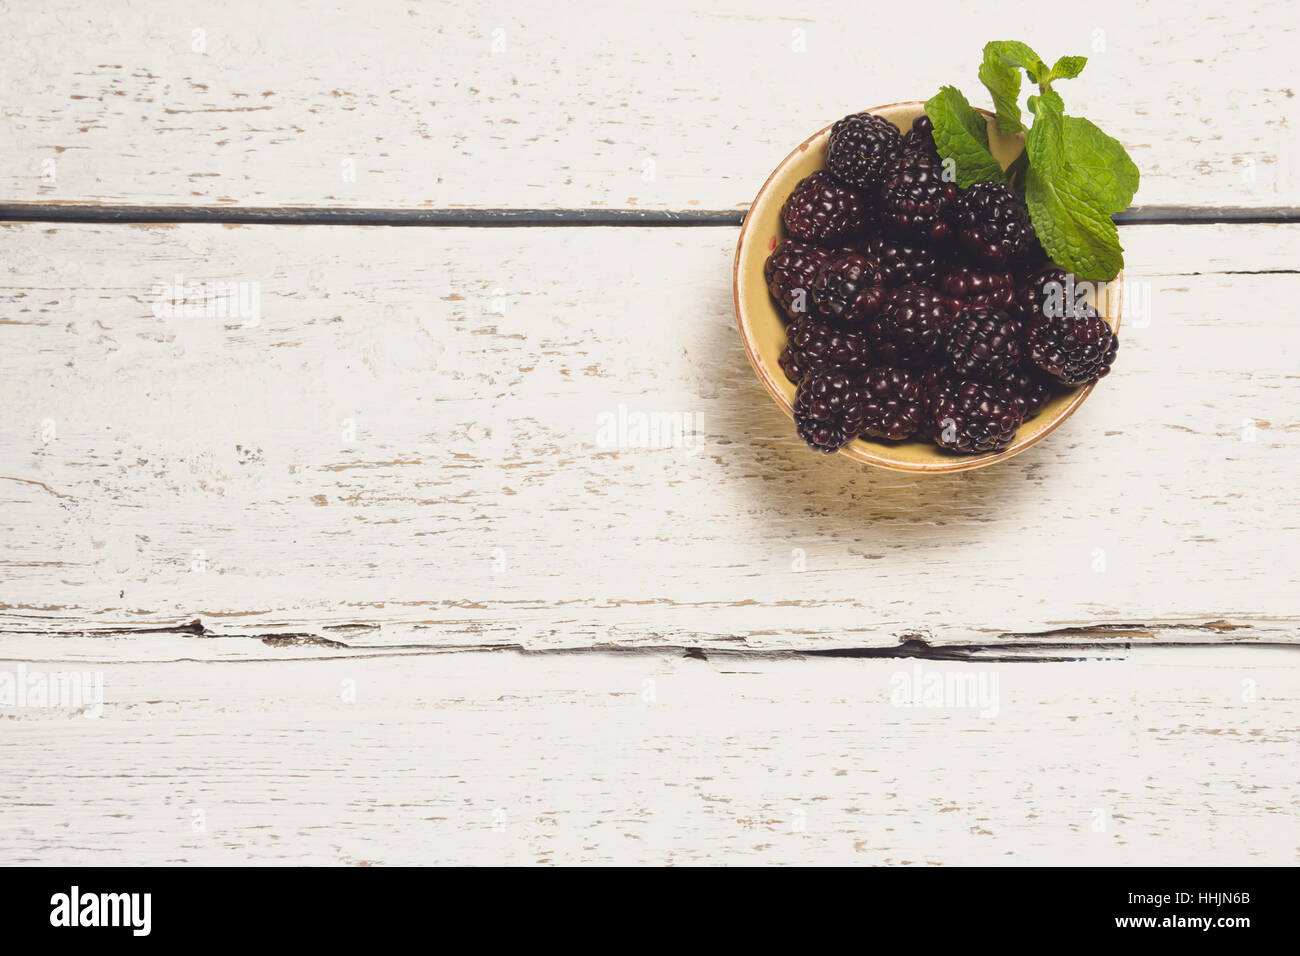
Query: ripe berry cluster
column 917, row 309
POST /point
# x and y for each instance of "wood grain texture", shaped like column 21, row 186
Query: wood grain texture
column 372, row 579
column 1168, row 757
column 658, row 105
column 410, row 441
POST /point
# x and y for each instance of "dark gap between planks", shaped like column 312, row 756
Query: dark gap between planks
column 500, row 218
column 1079, row 643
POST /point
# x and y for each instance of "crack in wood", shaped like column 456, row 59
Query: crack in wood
column 1087, row 642
column 38, row 484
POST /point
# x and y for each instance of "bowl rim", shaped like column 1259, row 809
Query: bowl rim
column 860, row 450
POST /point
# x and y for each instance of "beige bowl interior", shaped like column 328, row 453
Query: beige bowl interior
column 763, row 330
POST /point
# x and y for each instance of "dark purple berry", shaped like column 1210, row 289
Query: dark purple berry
column 983, row 343
column 915, row 198
column 1074, row 350
column 904, row 261
column 823, row 210
column 861, row 146
column 894, row 403
column 920, row 138
column 1049, row 293
column 980, row 289
column 912, row 327
column 849, row 289
column 814, row 346
column 828, row 409
column 991, row 225
column 790, row 271
column 971, row 417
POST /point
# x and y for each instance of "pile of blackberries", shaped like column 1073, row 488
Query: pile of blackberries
column 917, row 309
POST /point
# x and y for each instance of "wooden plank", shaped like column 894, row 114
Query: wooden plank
column 421, row 431
column 1168, row 757
column 643, row 104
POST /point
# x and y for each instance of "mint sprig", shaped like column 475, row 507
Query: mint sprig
column 1073, row 176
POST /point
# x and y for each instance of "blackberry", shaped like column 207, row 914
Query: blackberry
column 849, row 288
column 828, row 409
column 920, row 138
column 822, row 210
column 911, row 328
column 1049, row 293
column 971, row 417
column 1074, row 350
column 914, row 199
column 790, row 271
column 861, row 146
column 1026, row 388
column 991, row 224
column 904, row 261
column 814, row 346
column 894, row 403
column 989, row 290
column 983, row 343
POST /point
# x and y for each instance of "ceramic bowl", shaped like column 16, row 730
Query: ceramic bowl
column 763, row 331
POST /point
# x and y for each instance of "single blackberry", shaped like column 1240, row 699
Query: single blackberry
column 1074, row 350
column 904, row 261
column 911, row 328
column 971, row 417
column 1026, row 388
column 828, row 409
column 861, row 146
column 849, row 288
column 991, row 224
column 920, row 138
column 915, row 198
column 1050, row 293
column 979, row 289
column 823, row 210
column 894, row 403
column 983, row 343
column 790, row 271
column 814, row 346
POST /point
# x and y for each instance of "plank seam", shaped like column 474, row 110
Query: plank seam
column 515, row 218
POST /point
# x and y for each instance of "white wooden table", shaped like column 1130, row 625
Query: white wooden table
column 365, row 581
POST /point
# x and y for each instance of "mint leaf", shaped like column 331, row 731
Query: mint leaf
column 1017, row 54
column 954, row 102
column 1003, row 83
column 1101, row 165
column 1067, row 68
column 1045, row 141
column 1072, row 231
column 1077, row 177
column 962, row 135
